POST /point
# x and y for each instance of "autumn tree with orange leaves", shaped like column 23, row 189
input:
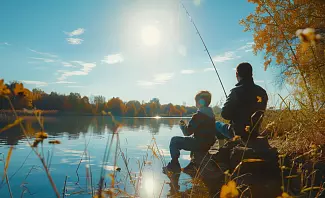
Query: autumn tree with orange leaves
column 291, row 36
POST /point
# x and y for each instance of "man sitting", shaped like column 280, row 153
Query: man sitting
column 244, row 107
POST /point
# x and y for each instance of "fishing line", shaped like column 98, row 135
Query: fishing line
column 206, row 49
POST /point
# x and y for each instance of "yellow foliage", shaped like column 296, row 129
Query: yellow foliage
column 19, row 88
column 41, row 135
column 36, row 142
column 229, row 190
column 3, row 88
column 284, row 195
column 54, row 142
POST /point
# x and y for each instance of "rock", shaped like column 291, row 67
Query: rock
column 258, row 166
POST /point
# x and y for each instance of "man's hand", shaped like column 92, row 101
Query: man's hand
column 182, row 123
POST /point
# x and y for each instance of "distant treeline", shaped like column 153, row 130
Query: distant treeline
column 74, row 104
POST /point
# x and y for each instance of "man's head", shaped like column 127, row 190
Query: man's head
column 243, row 71
column 203, row 99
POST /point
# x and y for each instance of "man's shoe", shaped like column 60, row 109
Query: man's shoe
column 190, row 168
column 173, row 167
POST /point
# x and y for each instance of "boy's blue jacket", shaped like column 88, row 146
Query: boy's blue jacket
column 202, row 126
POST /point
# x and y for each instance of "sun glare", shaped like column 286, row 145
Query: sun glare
column 150, row 35
column 149, row 186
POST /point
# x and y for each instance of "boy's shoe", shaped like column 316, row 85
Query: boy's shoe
column 190, row 168
column 172, row 166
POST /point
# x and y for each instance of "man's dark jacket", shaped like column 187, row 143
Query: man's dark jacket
column 245, row 107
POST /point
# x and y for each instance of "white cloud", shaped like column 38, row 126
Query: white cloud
column 46, row 60
column 67, row 64
column 158, row 79
column 163, row 78
column 85, row 68
column 197, row 2
column 74, row 41
column 187, row 71
column 225, row 57
column 43, row 53
column 182, row 50
column 64, row 82
column 145, row 83
column 113, row 59
column 247, row 47
column 76, row 32
column 208, row 69
column 36, row 83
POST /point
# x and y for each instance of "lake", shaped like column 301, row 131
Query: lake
column 83, row 169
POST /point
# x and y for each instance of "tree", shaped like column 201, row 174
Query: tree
column 275, row 24
column 142, row 112
column 116, row 106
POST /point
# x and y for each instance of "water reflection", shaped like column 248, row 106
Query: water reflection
column 76, row 126
column 80, row 154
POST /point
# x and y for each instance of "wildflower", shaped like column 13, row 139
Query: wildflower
column 41, row 135
column 308, row 35
column 235, row 138
column 247, row 128
column 54, row 142
column 229, row 190
column 284, row 195
column 3, row 88
column 259, row 99
column 36, row 142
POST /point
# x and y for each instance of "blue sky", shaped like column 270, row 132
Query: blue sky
column 132, row 49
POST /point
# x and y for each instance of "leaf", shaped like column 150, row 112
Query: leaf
column 310, row 188
column 252, row 160
column 16, row 122
column 291, row 176
column 8, row 160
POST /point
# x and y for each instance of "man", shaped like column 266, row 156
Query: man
column 244, row 107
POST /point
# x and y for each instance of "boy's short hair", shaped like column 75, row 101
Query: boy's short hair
column 205, row 95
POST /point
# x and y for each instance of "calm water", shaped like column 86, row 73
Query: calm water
column 27, row 176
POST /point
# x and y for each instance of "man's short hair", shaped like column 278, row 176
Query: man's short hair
column 204, row 95
column 244, row 70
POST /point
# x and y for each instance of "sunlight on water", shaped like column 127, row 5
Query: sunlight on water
column 149, row 186
column 91, row 134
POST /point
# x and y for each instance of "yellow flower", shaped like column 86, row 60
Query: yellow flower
column 247, row 128
column 284, row 195
column 41, row 135
column 259, row 99
column 229, row 190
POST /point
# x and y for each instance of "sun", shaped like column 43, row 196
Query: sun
column 150, row 35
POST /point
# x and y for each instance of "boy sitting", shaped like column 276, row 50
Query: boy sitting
column 201, row 126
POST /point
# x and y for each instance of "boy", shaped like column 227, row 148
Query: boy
column 201, row 126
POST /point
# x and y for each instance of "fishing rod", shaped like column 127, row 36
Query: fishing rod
column 206, row 49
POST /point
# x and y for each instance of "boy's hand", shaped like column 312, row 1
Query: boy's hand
column 182, row 123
